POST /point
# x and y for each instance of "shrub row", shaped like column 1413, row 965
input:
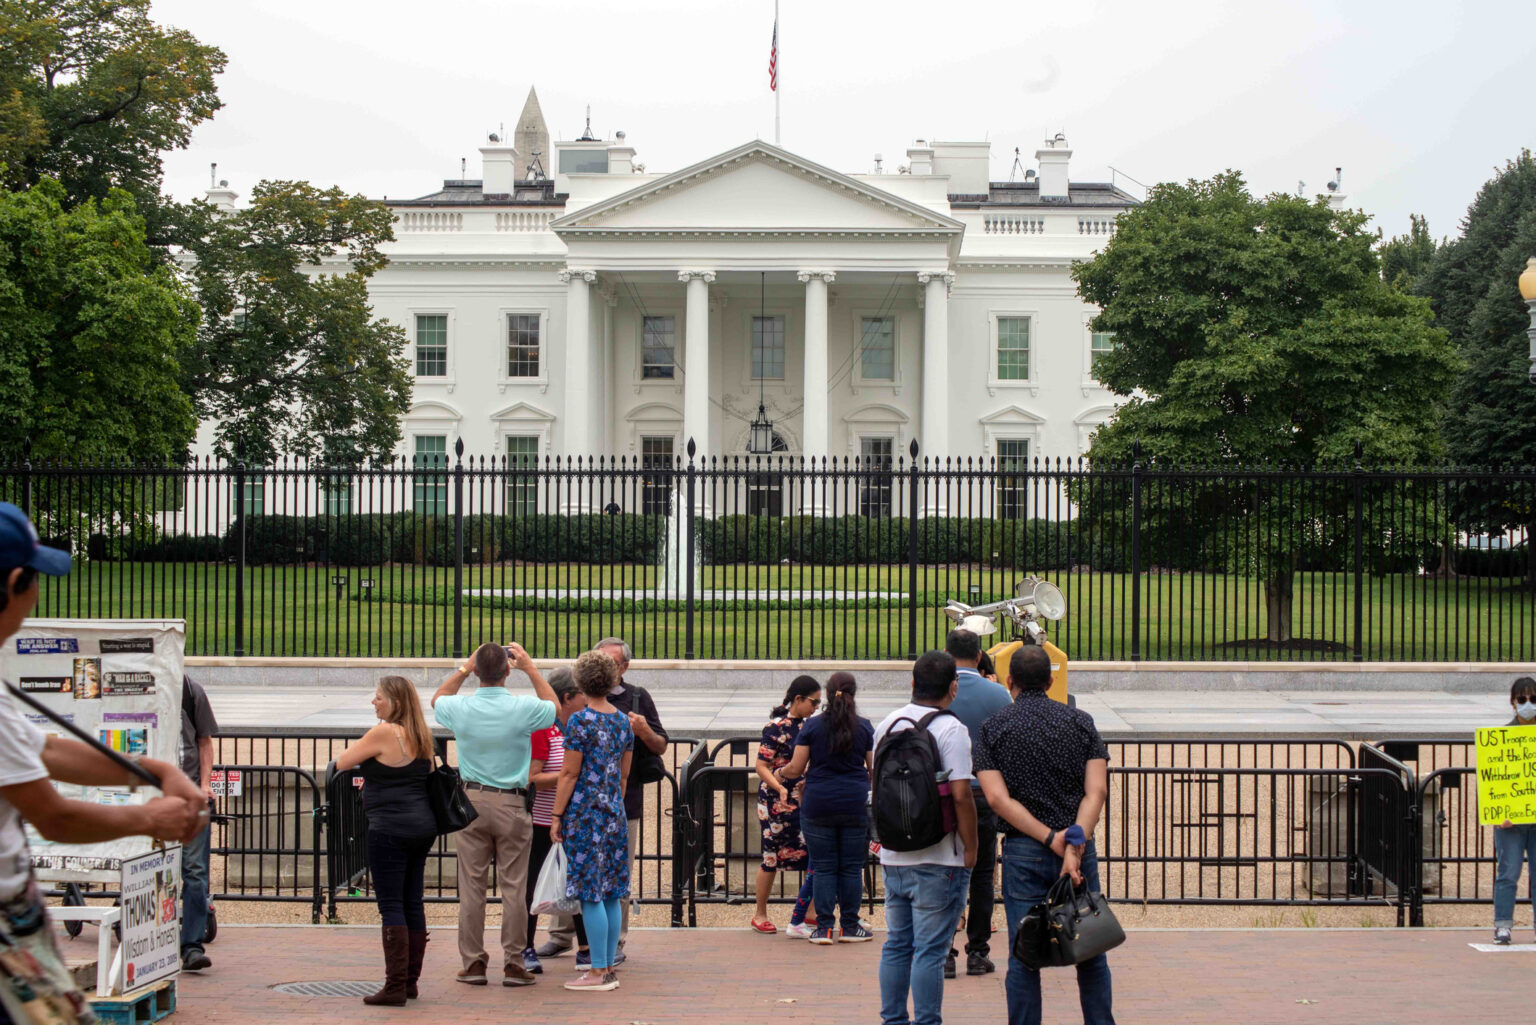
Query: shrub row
column 588, row 604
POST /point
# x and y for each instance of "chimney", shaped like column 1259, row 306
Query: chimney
column 498, row 163
column 621, row 156
column 222, row 197
column 1335, row 195
column 1053, row 158
column 920, row 157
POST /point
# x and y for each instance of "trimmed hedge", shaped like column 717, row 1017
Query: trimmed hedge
column 587, row 604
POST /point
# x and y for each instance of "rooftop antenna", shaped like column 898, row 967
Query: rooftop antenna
column 1301, row 188
column 1338, row 179
column 1018, row 165
column 878, row 159
column 535, row 166
column 213, row 173
column 586, row 135
column 463, row 169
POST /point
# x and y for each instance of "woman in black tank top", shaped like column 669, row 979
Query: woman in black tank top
column 395, row 759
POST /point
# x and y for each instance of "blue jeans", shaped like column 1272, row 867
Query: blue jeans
column 1029, row 869
column 803, row 898
column 1511, row 847
column 194, row 892
column 923, row 904
column 839, row 847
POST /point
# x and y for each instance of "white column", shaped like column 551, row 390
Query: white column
column 934, row 440
column 696, row 361
column 814, row 424
column 578, row 363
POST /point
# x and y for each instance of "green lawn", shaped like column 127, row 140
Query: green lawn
column 294, row 610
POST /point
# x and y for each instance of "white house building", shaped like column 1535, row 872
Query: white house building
column 600, row 309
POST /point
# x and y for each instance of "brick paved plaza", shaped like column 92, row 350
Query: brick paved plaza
column 1253, row 977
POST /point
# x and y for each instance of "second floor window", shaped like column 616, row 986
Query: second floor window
column 877, row 349
column 1102, row 344
column 1013, row 348
column 767, row 348
column 658, row 347
column 432, row 346
column 523, row 345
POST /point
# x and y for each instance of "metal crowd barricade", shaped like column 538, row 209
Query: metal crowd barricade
column 266, row 840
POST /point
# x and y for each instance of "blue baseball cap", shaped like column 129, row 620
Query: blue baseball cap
column 19, row 544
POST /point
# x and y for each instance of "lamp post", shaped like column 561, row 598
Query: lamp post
column 1528, row 293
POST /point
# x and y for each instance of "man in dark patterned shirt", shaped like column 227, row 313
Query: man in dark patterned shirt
column 1045, row 772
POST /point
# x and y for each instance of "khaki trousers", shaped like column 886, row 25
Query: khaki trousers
column 563, row 931
column 504, row 830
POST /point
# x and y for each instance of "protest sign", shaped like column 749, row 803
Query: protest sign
column 1506, row 775
column 151, row 902
column 120, row 681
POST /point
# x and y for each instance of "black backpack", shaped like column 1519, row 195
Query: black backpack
column 908, row 808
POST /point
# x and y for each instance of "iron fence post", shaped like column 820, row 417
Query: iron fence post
column 912, row 507
column 458, row 548
column 1136, row 551
column 26, row 477
column 239, row 559
column 1359, row 482
column 688, row 565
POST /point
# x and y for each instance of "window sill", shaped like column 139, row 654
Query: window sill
column 503, row 383
column 995, row 385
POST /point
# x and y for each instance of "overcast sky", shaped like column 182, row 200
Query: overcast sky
column 1417, row 101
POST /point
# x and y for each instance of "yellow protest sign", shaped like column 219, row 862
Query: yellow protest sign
column 1506, row 775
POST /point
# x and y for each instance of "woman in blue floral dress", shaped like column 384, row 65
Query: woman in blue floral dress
column 589, row 815
column 778, row 804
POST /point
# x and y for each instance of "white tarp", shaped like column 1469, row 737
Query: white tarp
column 119, row 680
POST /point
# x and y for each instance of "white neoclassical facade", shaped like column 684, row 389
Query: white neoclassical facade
column 602, row 310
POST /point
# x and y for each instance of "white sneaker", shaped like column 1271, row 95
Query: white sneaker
column 798, row 932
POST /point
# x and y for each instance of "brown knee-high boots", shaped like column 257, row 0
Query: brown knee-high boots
column 396, row 965
column 417, row 951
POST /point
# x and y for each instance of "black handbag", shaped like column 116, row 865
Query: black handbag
column 1072, row 925
column 450, row 803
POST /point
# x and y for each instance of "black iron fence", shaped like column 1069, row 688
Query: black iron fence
column 1287, row 821
column 774, row 558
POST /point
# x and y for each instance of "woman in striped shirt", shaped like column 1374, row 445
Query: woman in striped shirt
column 544, row 774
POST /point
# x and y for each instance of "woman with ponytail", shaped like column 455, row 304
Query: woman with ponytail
column 833, row 753
column 778, row 804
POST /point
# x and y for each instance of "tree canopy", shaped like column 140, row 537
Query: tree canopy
column 92, row 92
column 92, row 330
column 1259, row 331
column 289, row 358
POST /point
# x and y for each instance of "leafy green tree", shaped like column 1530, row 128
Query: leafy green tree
column 1259, row 331
column 92, row 331
column 289, row 357
column 92, row 92
column 1473, row 284
column 1405, row 257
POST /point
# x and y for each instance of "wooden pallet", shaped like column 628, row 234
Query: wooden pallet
column 145, row 1005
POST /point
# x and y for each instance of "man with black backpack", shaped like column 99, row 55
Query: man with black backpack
column 925, row 820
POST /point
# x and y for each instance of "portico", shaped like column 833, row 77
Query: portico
column 755, row 240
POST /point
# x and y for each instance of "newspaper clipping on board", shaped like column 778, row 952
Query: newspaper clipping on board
column 119, row 680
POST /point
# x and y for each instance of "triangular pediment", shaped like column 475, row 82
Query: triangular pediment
column 1011, row 415
column 756, row 187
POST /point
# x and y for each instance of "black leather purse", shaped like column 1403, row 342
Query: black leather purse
column 1072, row 925
column 450, row 803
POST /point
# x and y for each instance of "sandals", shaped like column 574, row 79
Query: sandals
column 763, row 926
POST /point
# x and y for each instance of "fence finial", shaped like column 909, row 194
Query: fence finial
column 913, row 448
column 692, row 448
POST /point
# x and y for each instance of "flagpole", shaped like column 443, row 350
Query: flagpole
column 778, row 68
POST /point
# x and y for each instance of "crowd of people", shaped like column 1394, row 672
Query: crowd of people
column 1015, row 765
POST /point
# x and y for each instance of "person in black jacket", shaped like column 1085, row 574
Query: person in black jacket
column 650, row 744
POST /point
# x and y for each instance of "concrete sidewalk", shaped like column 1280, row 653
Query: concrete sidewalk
column 1257, row 977
column 715, row 713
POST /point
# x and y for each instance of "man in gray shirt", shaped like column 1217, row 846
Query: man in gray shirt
column 198, row 728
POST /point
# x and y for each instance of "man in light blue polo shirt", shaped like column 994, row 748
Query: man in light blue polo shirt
column 492, row 729
column 977, row 699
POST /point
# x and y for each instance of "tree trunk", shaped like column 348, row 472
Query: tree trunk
column 1279, row 592
column 1447, row 568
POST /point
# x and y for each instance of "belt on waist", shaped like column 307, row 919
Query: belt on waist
column 471, row 785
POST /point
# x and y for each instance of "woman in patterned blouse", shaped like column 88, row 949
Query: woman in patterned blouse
column 778, row 804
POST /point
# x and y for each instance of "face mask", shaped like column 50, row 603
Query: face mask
column 1526, row 709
